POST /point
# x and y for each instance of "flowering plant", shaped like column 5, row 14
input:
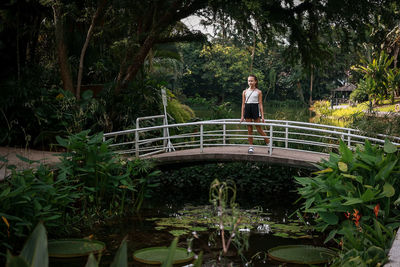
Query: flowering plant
column 353, row 196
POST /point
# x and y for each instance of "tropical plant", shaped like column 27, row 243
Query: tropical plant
column 379, row 79
column 30, row 196
column 356, row 187
column 105, row 180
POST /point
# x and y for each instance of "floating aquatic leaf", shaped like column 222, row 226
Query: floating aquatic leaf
column 178, row 232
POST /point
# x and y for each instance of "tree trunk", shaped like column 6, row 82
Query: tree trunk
column 18, row 52
column 86, row 44
column 137, row 63
column 65, row 71
column 252, row 54
column 311, row 83
column 300, row 93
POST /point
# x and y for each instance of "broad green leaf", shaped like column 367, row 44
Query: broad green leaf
column 349, row 176
column 35, row 249
column 356, row 165
column 170, row 258
column 351, row 201
column 121, row 258
column 388, row 147
column 397, row 202
column 329, row 218
column 376, row 252
column 330, row 236
column 388, row 190
column 368, row 195
column 92, row 262
column 26, row 159
column 323, row 171
column 369, row 159
column 63, row 142
column 385, row 171
column 198, row 261
column 16, row 261
column 5, row 192
column 309, row 202
column 345, row 152
column 342, row 166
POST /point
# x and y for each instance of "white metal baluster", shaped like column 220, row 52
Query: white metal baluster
column 137, row 138
column 270, row 139
column 348, row 139
column 224, row 133
column 286, row 135
column 201, row 138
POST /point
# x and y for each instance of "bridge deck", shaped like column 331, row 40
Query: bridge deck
column 239, row 153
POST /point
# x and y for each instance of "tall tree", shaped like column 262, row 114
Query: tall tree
column 153, row 23
column 61, row 46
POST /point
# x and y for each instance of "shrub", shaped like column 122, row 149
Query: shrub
column 355, row 197
column 322, row 107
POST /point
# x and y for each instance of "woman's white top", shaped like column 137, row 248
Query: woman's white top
column 251, row 96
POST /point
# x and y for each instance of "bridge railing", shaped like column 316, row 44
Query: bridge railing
column 291, row 135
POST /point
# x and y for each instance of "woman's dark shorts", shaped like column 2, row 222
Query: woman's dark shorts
column 251, row 111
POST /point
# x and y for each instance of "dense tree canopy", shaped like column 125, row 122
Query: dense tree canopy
column 299, row 49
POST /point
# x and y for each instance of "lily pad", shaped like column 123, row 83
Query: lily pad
column 178, row 232
column 69, row 248
column 301, row 254
column 156, row 255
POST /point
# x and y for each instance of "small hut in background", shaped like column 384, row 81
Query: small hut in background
column 342, row 94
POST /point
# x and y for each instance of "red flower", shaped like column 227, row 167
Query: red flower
column 376, row 210
column 356, row 218
column 347, row 215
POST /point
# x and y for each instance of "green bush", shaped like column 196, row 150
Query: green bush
column 360, row 94
column 90, row 183
column 30, row 196
column 355, row 196
column 106, row 181
column 322, row 107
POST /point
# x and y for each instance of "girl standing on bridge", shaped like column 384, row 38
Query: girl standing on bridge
column 252, row 109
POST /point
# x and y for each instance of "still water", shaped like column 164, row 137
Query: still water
column 263, row 225
column 274, row 228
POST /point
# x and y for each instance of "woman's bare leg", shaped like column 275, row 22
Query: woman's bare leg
column 261, row 132
column 250, row 132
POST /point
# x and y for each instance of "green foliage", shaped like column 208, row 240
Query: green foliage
column 358, row 186
column 30, row 196
column 387, row 124
column 34, row 252
column 380, row 81
column 181, row 113
column 360, row 94
column 322, row 107
column 104, row 179
column 37, row 116
column 90, row 182
column 197, row 100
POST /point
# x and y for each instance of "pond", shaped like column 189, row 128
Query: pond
column 265, row 219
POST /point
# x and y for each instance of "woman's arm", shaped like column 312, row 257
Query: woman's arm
column 260, row 104
column 242, row 109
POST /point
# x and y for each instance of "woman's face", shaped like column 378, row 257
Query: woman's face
column 251, row 82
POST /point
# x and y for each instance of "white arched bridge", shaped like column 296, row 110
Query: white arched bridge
column 292, row 143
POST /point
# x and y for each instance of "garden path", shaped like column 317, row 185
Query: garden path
column 10, row 155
